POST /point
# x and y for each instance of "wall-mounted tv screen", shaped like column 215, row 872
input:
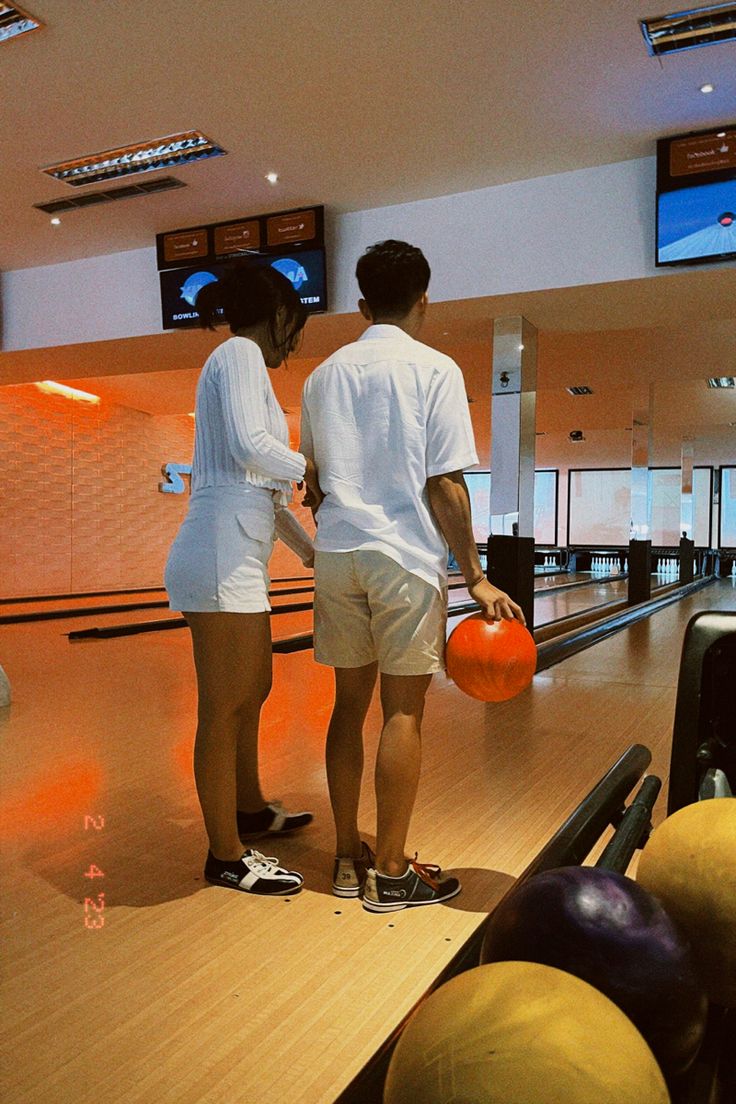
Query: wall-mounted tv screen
column 696, row 197
column 180, row 286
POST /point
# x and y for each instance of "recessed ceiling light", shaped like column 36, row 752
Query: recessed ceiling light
column 721, row 134
column 722, row 381
column 707, row 88
column 56, row 222
column 272, row 177
column 14, row 21
column 582, row 389
column 54, row 388
column 160, row 153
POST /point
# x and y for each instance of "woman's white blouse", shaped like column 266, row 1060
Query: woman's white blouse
column 241, row 435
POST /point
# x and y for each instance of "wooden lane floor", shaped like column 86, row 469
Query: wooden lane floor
column 190, row 994
column 551, row 603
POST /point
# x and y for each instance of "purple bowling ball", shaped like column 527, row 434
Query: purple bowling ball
column 612, row 933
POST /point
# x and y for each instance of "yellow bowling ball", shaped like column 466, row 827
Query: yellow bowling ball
column 521, row 1033
column 689, row 863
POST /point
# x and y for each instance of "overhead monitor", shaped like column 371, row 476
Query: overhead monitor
column 292, row 242
column 696, row 197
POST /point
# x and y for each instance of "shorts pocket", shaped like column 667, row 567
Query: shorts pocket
column 257, row 527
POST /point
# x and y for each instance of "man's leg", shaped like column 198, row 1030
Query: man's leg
column 397, row 766
column 353, row 691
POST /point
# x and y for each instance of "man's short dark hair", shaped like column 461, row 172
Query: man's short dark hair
column 392, row 276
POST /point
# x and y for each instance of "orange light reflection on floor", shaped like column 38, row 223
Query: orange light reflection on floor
column 53, row 799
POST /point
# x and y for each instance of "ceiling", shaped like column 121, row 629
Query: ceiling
column 359, row 105
column 355, row 105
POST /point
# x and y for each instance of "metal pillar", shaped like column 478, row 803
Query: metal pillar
column 687, row 511
column 640, row 545
column 513, row 440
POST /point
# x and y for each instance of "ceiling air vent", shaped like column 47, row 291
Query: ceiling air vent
column 722, row 381
column 89, row 199
column 161, row 153
column 14, row 21
column 579, row 390
column 667, row 34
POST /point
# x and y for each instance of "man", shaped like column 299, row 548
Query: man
column 386, row 422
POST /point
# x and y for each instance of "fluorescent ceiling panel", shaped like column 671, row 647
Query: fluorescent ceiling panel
column 684, row 30
column 159, row 153
column 14, row 21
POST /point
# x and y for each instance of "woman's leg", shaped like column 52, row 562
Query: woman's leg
column 232, row 657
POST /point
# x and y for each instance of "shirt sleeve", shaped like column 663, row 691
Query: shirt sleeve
column 306, row 441
column 243, row 387
column 292, row 533
column 450, row 442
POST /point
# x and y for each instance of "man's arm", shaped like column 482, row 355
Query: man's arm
column 313, row 496
column 450, row 504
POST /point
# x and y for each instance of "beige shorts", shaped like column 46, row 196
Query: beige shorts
column 369, row 608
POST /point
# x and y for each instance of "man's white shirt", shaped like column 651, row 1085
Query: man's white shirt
column 379, row 417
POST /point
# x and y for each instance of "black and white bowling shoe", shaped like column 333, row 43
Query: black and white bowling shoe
column 253, row 873
column 273, row 820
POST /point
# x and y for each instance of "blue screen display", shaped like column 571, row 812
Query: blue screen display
column 697, row 223
column 180, row 286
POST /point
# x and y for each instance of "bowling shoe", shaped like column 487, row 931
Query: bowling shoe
column 253, row 873
column 348, row 875
column 273, row 820
column 420, row 885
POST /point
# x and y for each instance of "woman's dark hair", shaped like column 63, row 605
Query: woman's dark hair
column 250, row 294
column 392, row 276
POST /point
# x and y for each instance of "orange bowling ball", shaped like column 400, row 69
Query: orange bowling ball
column 491, row 660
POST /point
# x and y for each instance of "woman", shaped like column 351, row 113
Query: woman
column 217, row 573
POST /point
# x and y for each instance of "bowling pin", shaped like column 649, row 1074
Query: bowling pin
column 733, row 569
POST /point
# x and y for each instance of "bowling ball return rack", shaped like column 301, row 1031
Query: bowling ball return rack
column 704, row 741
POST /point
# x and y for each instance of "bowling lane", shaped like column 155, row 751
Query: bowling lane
column 553, row 605
column 555, row 598
column 321, row 982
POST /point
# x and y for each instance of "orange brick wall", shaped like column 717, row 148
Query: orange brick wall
column 80, row 507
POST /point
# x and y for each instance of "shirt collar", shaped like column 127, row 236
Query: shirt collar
column 384, row 329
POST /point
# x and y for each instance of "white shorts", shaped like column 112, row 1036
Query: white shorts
column 219, row 560
column 369, row 608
